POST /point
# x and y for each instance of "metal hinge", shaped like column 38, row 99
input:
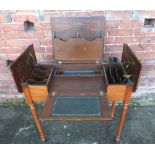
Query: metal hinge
column 101, row 93
column 59, row 62
column 53, row 93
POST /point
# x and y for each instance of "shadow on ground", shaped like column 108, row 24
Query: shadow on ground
column 17, row 126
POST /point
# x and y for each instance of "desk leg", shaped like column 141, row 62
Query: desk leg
column 124, row 111
column 113, row 108
column 34, row 112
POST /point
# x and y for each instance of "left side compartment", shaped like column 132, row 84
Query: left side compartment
column 28, row 73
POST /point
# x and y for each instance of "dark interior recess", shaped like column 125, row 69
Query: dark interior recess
column 149, row 22
column 29, row 26
column 116, row 74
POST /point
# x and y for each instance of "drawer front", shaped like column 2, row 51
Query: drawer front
column 116, row 92
column 38, row 93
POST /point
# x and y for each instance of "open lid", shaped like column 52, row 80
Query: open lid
column 132, row 65
column 23, row 66
column 78, row 38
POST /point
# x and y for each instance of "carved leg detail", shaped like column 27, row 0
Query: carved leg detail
column 121, row 122
column 124, row 111
column 34, row 112
column 37, row 121
column 113, row 108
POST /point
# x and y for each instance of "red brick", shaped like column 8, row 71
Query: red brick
column 146, row 14
column 12, row 50
column 120, row 32
column 11, row 27
column 49, row 49
column 42, row 26
column 21, row 18
column 153, row 47
column 121, row 40
column 35, row 42
column 113, row 48
column 38, row 35
column 141, row 47
column 47, row 33
column 109, row 40
column 78, row 14
column 97, row 13
column 130, row 23
column 112, row 23
column 2, row 19
column 12, row 56
column 148, row 73
column 10, row 35
column 47, row 15
column 2, row 65
column 39, row 49
column 143, row 32
column 46, row 56
column 146, row 40
column 46, row 42
column 2, row 42
column 25, row 12
column 118, row 14
column 145, row 55
column 17, row 42
column 146, row 81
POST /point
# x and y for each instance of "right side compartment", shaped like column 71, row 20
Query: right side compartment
column 119, row 75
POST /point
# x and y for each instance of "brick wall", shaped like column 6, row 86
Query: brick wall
column 121, row 26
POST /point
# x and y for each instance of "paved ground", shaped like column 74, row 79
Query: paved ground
column 17, row 126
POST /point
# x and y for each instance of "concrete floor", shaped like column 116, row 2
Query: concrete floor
column 17, row 126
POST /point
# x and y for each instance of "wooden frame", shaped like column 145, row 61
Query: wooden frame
column 74, row 52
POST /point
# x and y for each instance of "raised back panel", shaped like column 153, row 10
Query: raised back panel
column 131, row 64
column 23, row 66
column 78, row 38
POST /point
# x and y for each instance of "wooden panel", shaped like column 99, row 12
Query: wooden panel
column 78, row 38
column 78, row 49
column 77, row 84
column 38, row 93
column 77, row 27
column 131, row 64
column 23, row 66
column 116, row 92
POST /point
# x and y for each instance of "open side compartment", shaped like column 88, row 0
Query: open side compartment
column 39, row 82
column 27, row 72
column 116, row 81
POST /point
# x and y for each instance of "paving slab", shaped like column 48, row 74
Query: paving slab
column 17, row 127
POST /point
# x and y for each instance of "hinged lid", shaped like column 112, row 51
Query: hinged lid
column 23, row 66
column 77, row 38
column 131, row 64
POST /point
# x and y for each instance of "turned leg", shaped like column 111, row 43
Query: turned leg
column 34, row 112
column 124, row 111
column 113, row 109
